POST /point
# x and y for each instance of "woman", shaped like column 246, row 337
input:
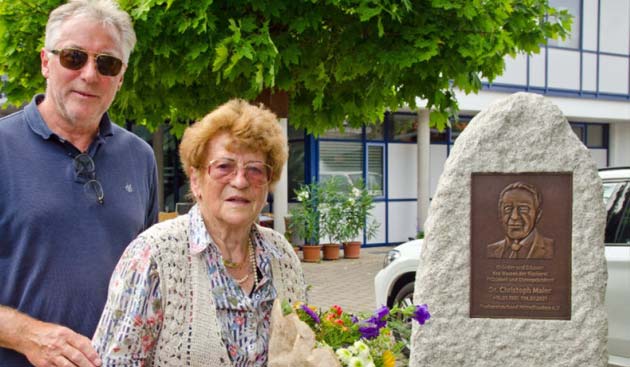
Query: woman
column 198, row 290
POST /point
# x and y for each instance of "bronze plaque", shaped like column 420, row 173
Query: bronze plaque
column 521, row 245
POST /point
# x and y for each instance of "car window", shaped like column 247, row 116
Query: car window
column 617, row 199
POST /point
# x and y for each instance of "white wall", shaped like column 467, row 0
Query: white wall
column 600, row 156
column 613, row 74
column 402, row 220
column 619, row 149
column 615, row 28
column 378, row 213
column 576, row 109
column 589, row 25
column 438, row 158
column 564, row 69
column 515, row 70
column 402, row 173
column 537, row 69
column 589, row 72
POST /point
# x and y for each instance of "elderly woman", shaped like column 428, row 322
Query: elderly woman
column 198, row 290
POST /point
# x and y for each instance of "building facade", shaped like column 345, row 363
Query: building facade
column 587, row 76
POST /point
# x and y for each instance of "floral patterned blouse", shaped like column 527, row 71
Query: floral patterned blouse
column 244, row 318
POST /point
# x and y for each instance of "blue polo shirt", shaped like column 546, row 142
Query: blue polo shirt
column 58, row 244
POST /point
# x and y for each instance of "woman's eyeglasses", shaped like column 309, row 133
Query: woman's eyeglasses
column 85, row 169
column 75, row 59
column 224, row 169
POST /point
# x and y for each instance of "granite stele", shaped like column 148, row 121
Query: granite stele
column 513, row 266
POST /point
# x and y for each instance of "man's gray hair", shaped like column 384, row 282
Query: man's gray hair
column 104, row 11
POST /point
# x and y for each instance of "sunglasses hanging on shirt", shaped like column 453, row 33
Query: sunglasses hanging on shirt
column 85, row 169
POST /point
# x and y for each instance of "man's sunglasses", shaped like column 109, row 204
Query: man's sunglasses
column 85, row 169
column 75, row 59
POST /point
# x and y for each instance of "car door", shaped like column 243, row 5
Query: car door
column 617, row 238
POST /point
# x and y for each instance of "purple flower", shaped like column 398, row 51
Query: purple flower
column 381, row 312
column 379, row 316
column 311, row 313
column 421, row 314
column 369, row 330
column 380, row 323
column 354, row 319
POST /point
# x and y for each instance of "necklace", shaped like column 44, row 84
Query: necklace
column 252, row 260
column 234, row 265
column 231, row 264
column 240, row 281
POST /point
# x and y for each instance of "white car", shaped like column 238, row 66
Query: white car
column 395, row 282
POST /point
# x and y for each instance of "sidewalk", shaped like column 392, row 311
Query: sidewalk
column 348, row 283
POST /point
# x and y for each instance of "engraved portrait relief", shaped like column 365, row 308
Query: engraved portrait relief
column 520, row 210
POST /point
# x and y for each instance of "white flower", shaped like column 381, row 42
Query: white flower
column 356, row 192
column 362, row 350
column 344, row 355
column 351, row 201
column 356, row 362
column 360, row 362
column 302, row 196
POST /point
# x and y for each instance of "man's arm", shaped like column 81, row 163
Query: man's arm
column 43, row 343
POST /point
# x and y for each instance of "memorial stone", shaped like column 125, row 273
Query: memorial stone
column 513, row 266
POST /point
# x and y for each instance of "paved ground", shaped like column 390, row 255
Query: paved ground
column 346, row 282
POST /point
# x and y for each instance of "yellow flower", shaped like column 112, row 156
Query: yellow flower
column 389, row 360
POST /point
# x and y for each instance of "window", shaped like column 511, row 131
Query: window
column 573, row 6
column 403, row 127
column 295, row 167
column 579, row 131
column 349, row 133
column 344, row 161
column 375, row 131
column 294, row 133
column 340, row 159
column 595, row 135
column 374, row 180
column 438, row 137
column 591, row 135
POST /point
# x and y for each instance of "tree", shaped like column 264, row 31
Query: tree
column 336, row 59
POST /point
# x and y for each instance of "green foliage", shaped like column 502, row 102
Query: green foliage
column 331, row 210
column 337, row 59
column 332, row 215
column 305, row 216
column 355, row 207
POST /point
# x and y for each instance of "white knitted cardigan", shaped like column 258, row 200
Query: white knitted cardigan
column 191, row 333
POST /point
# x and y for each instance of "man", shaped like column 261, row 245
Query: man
column 75, row 190
column 520, row 209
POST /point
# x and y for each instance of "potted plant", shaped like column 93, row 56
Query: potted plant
column 305, row 221
column 356, row 208
column 330, row 215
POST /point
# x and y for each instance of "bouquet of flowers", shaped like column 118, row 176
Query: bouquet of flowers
column 302, row 335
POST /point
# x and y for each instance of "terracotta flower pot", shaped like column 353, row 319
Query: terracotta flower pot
column 331, row 251
column 351, row 250
column 311, row 253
